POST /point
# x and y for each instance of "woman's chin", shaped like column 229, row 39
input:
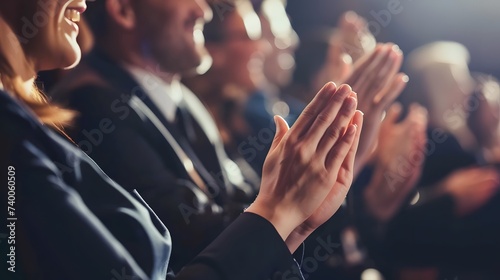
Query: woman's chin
column 61, row 56
column 74, row 62
column 72, row 58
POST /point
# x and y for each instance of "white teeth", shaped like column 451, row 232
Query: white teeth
column 72, row 15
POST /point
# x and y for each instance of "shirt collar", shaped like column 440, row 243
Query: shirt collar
column 166, row 95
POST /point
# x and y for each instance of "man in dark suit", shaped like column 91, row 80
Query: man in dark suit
column 145, row 129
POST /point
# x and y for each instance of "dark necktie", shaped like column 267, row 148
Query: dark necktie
column 184, row 122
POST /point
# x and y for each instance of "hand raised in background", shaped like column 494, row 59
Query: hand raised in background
column 338, row 66
column 398, row 161
column 377, row 81
column 351, row 40
column 354, row 36
column 471, row 188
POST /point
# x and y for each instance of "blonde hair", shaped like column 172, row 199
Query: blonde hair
column 12, row 60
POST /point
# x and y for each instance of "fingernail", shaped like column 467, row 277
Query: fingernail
column 278, row 127
column 351, row 103
column 362, row 114
column 347, row 59
column 331, row 86
column 397, row 49
column 346, row 87
column 351, row 16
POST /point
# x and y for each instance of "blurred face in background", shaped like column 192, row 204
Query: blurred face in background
column 168, row 29
column 238, row 58
column 278, row 32
column 47, row 30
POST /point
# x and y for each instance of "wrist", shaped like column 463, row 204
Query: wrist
column 297, row 237
column 284, row 224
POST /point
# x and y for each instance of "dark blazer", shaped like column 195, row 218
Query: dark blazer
column 126, row 134
column 74, row 222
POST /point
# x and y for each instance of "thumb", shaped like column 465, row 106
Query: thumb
column 393, row 114
column 281, row 129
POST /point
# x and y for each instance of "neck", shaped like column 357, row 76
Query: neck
column 151, row 67
column 203, row 86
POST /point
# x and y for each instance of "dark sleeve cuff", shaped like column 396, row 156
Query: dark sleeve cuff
column 250, row 248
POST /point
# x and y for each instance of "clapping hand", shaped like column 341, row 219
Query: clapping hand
column 309, row 168
column 354, row 36
column 377, row 81
column 398, row 161
column 471, row 188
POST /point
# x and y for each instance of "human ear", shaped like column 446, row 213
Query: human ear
column 122, row 13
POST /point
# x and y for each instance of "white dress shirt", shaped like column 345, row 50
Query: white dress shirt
column 166, row 96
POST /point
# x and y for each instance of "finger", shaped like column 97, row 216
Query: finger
column 417, row 116
column 363, row 63
column 337, row 58
column 378, row 76
column 347, row 145
column 423, row 121
column 334, row 199
column 309, row 114
column 366, row 69
column 392, row 91
column 492, row 175
column 338, row 127
column 329, row 113
column 361, row 23
column 393, row 114
column 396, row 60
column 401, row 186
column 386, row 71
column 281, row 130
column 420, row 129
column 348, row 18
column 357, row 120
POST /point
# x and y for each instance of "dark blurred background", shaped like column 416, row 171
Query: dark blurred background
column 471, row 23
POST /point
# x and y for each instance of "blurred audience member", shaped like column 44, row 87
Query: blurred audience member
column 278, row 32
column 234, row 41
column 445, row 83
column 269, row 100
